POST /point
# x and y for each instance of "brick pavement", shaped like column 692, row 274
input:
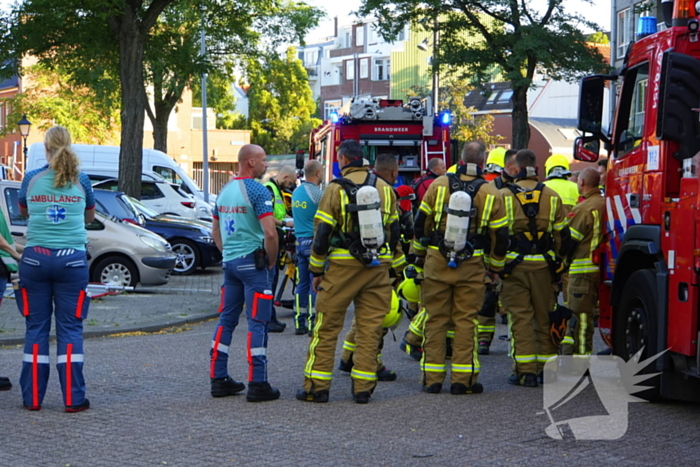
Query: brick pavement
column 151, row 406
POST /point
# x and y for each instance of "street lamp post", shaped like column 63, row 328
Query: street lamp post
column 24, row 126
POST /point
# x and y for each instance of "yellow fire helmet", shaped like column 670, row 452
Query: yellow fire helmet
column 393, row 317
column 554, row 161
column 287, row 198
column 496, row 161
column 409, row 291
column 452, row 169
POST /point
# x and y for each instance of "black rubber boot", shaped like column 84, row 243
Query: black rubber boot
column 222, row 387
column 261, row 392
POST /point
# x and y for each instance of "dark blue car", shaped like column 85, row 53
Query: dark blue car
column 190, row 239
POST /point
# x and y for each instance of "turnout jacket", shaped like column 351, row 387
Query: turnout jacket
column 490, row 220
column 550, row 219
column 586, row 225
column 332, row 218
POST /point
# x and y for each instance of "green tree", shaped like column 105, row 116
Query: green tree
column 465, row 125
column 598, row 37
column 234, row 29
column 121, row 45
column 280, row 103
column 515, row 36
column 50, row 98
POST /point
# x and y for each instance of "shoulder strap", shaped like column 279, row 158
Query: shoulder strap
column 499, row 182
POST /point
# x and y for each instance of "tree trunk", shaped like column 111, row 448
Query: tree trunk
column 164, row 105
column 521, row 127
column 131, row 44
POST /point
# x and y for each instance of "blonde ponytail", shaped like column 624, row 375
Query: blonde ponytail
column 64, row 162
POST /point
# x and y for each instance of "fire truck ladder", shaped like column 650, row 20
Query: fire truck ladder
column 427, row 154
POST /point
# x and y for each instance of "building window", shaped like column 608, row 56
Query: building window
column 401, row 36
column 360, row 36
column 347, row 39
column 505, row 96
column 381, row 70
column 2, row 116
column 330, row 107
column 623, row 31
column 364, row 68
column 310, row 57
column 350, row 70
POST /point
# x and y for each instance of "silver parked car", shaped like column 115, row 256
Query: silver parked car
column 120, row 253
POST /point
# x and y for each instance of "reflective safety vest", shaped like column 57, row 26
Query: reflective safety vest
column 279, row 210
column 567, row 191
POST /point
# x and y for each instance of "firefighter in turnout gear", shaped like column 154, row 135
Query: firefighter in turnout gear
column 487, row 314
column 539, row 237
column 356, row 231
column 386, row 167
column 461, row 225
column 586, row 225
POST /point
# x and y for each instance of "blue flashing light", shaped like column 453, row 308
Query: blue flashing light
column 446, row 118
column 646, row 25
column 334, row 117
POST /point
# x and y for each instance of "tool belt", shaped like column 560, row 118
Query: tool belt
column 474, row 242
column 523, row 244
column 351, row 241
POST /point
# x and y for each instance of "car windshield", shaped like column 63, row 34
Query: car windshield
column 145, row 210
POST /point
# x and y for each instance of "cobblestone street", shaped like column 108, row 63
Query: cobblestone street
column 151, row 406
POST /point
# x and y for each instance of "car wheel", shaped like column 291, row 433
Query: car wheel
column 188, row 257
column 116, row 270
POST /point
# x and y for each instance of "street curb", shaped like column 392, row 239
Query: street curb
column 109, row 332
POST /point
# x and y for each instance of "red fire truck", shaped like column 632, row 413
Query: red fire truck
column 650, row 259
column 410, row 131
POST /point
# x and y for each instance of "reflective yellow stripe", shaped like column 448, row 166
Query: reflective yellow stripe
column 509, row 213
column 575, row 234
column 417, row 246
column 439, row 205
column 343, row 202
column 567, row 340
column 465, row 368
column 476, row 252
column 486, row 214
column 486, row 328
column 312, row 346
column 531, row 258
column 401, row 260
column 450, row 334
column 434, row 367
column 325, row 217
column 525, row 358
column 546, row 358
column 342, row 254
column 596, row 232
column 425, row 208
column 388, row 216
column 315, row 262
column 349, row 346
column 553, row 201
column 583, row 320
column 497, row 263
column 582, row 265
column 363, row 375
column 319, row 375
column 497, row 224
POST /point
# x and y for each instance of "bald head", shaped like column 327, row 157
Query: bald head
column 474, row 153
column 437, row 166
column 286, row 177
column 252, row 161
column 588, row 179
column 313, row 172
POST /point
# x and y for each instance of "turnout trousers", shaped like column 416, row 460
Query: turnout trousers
column 416, row 330
column 370, row 290
column 451, row 295
column 243, row 284
column 53, row 281
column 305, row 297
column 583, row 296
column 349, row 345
column 528, row 295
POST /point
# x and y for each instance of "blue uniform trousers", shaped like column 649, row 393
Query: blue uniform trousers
column 243, row 284
column 53, row 281
column 305, row 297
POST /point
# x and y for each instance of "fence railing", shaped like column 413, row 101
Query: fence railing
column 218, row 176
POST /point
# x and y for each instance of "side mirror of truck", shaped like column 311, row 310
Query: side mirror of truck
column 300, row 160
column 586, row 148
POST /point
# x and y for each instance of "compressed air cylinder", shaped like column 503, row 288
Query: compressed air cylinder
column 370, row 220
column 457, row 227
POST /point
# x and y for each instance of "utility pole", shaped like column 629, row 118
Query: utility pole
column 205, row 143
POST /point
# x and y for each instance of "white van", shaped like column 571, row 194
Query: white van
column 107, row 158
